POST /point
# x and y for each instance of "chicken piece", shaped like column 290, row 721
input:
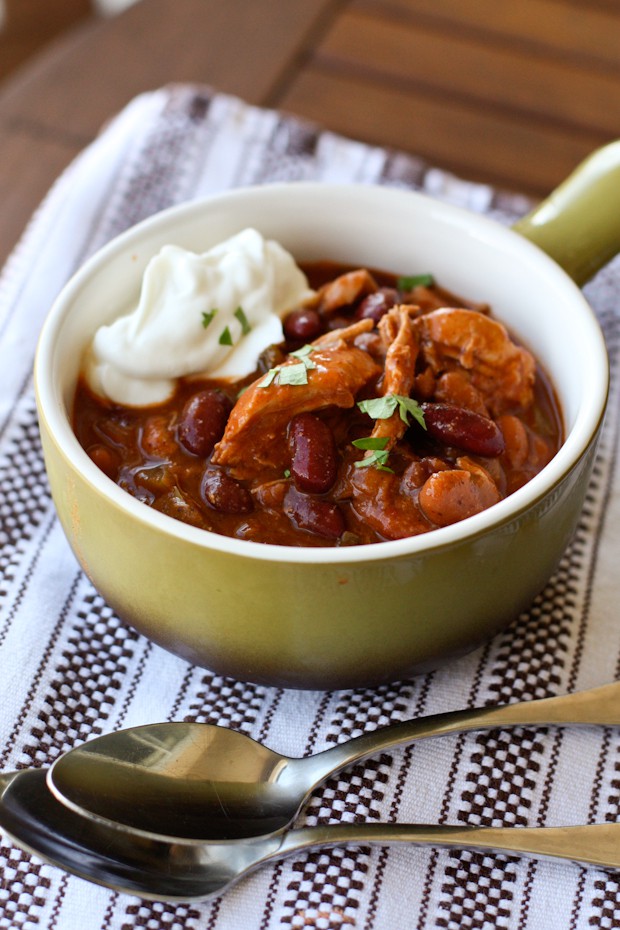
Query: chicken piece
column 401, row 353
column 385, row 501
column 347, row 334
column 454, row 387
column 345, row 290
column 465, row 340
column 255, row 436
column 396, row 508
column 401, row 350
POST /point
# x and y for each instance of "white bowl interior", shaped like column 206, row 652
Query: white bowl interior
column 385, row 228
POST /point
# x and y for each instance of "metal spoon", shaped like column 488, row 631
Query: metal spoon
column 194, row 781
column 195, row 871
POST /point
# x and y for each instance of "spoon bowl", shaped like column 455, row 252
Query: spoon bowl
column 198, row 781
column 192, row 871
column 115, row 858
column 195, row 781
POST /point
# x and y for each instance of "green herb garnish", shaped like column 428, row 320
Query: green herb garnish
column 381, row 408
column 291, row 374
column 408, row 282
column 303, row 355
column 225, row 337
column 377, row 446
column 245, row 326
column 269, row 378
column 207, row 316
column 371, row 442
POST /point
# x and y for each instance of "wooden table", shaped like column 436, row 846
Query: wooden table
column 511, row 93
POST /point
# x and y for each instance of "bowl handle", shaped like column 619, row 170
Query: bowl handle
column 578, row 225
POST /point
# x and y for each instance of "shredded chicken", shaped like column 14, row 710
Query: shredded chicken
column 345, row 290
column 501, row 371
column 260, row 417
column 380, row 497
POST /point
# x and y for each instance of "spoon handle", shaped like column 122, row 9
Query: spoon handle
column 594, row 707
column 596, row 844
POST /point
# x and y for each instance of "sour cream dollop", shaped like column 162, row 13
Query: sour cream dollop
column 210, row 314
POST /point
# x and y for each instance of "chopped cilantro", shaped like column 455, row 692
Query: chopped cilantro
column 303, row 355
column 380, row 408
column 207, row 316
column 408, row 282
column 379, row 454
column 269, row 378
column 245, row 326
column 225, row 337
column 304, row 352
column 371, row 442
column 406, row 406
column 293, row 374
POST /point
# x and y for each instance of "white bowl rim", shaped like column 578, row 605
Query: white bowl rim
column 574, row 448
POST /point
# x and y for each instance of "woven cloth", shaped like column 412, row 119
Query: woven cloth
column 70, row 669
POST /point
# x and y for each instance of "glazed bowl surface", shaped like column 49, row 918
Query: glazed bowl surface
column 329, row 617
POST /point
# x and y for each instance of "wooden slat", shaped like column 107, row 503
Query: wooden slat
column 42, row 18
column 480, row 145
column 472, row 70
column 30, row 24
column 56, row 105
column 242, row 48
column 514, row 93
column 569, row 29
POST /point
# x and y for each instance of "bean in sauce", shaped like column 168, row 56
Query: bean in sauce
column 283, row 463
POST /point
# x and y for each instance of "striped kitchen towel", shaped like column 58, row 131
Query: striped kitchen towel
column 70, row 669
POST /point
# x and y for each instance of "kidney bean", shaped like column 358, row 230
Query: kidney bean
column 314, row 514
column 314, row 459
column 203, row 421
column 225, row 493
column 303, row 324
column 376, row 305
column 457, row 426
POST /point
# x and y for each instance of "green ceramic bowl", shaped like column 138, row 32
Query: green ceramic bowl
column 340, row 618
